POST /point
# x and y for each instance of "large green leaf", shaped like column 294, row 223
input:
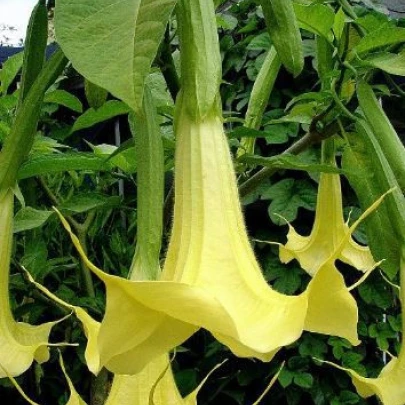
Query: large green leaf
column 10, row 70
column 316, row 18
column 113, row 43
column 62, row 97
column 30, row 218
column 389, row 62
column 386, row 35
column 54, row 163
column 91, row 117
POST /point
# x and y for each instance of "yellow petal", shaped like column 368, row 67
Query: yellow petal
column 20, row 343
column 91, row 327
column 211, row 278
column 125, row 390
column 18, row 387
column 155, row 385
column 389, row 385
column 328, row 230
column 75, row 398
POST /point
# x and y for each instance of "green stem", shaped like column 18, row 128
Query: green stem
column 311, row 138
column 167, row 66
column 19, row 142
column 81, row 230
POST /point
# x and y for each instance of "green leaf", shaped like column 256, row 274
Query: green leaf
column 30, row 218
column 302, row 113
column 352, row 360
column 289, row 162
column 261, row 42
column 339, row 23
column 316, row 18
column 9, row 71
column 38, row 165
column 108, row 110
column 62, row 97
column 123, row 157
column 348, row 398
column 370, row 176
column 96, row 96
column 287, row 196
column 286, row 377
column 378, row 294
column 84, row 202
column 227, row 21
column 386, row 35
column 303, row 380
column 113, row 44
column 388, row 62
column 313, row 346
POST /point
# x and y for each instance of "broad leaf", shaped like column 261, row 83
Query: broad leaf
column 389, row 62
column 62, row 97
column 108, row 110
column 316, row 18
column 10, row 70
column 54, row 163
column 30, row 218
column 85, row 202
column 386, row 35
column 112, row 43
column 288, row 195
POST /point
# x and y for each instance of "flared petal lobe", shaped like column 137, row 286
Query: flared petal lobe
column 328, row 230
column 389, row 386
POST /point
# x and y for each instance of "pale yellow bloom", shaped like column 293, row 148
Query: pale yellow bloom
column 20, row 343
column 328, row 231
column 389, row 385
column 211, row 278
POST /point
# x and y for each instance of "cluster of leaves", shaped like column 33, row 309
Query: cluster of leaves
column 93, row 183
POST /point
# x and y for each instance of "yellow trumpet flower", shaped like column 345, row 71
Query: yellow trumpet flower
column 211, row 278
column 328, row 230
column 154, row 384
column 389, row 385
column 20, row 343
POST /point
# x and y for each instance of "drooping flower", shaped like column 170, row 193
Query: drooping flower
column 211, row 278
column 20, row 343
column 155, row 384
column 389, row 386
column 328, row 230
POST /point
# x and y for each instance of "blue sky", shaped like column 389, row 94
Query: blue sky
column 16, row 13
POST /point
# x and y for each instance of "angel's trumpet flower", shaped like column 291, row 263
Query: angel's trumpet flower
column 389, row 385
column 211, row 278
column 328, row 230
column 155, row 382
column 20, row 343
